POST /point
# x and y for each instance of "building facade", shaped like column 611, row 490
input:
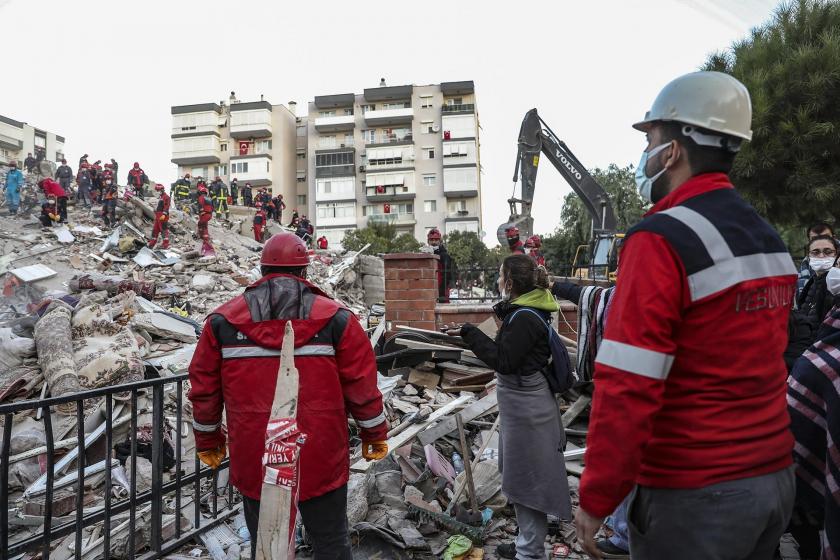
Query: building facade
column 253, row 142
column 17, row 139
column 406, row 155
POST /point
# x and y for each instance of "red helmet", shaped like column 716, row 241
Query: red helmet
column 85, row 165
column 108, row 166
column 202, row 189
column 136, row 165
column 512, row 232
column 534, row 241
column 158, row 187
column 258, row 204
column 434, row 233
column 285, row 249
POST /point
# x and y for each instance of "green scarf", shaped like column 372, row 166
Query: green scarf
column 539, row 298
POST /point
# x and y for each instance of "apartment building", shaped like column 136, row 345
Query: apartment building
column 253, row 141
column 17, row 139
column 407, row 155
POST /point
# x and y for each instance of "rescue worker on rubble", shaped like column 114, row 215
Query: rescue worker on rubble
column 51, row 188
column 181, row 192
column 323, row 243
column 109, row 203
column 14, row 182
column 259, row 222
column 690, row 406
column 49, row 212
column 235, row 368
column 220, row 198
column 445, row 264
column 279, row 206
column 29, row 162
column 84, row 183
column 514, row 244
column 161, row 218
column 64, row 175
column 115, row 168
column 83, row 159
column 532, row 249
column 205, row 212
column 234, row 192
column 247, row 195
column 137, row 180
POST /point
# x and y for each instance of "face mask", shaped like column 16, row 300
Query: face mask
column 643, row 182
column 821, row 265
column 832, row 281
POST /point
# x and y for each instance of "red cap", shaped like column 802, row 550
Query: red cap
column 285, row 249
column 434, row 233
column 158, row 187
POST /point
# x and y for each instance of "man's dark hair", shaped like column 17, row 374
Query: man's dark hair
column 294, row 271
column 821, row 229
column 701, row 159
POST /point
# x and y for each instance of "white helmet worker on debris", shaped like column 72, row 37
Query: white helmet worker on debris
column 689, row 413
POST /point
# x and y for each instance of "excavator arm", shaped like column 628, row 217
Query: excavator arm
column 535, row 138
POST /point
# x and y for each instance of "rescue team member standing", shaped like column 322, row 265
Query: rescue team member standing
column 235, row 368
column 137, row 179
column 161, row 218
column 445, row 265
column 259, row 223
column 689, row 402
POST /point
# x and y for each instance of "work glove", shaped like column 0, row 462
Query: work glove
column 374, row 450
column 54, row 217
column 163, row 217
column 213, row 457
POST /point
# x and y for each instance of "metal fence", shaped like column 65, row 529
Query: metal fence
column 195, row 482
column 474, row 285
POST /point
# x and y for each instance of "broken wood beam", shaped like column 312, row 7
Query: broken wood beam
column 575, row 410
column 449, row 424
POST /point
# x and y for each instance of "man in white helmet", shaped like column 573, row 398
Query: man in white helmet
column 689, row 406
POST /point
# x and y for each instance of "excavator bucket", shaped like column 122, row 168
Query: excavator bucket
column 524, row 223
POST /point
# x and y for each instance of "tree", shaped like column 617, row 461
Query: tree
column 790, row 171
column 469, row 252
column 382, row 237
column 576, row 224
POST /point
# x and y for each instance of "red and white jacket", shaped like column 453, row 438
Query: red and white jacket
column 689, row 379
column 235, row 367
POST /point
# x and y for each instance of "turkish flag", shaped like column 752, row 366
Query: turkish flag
column 243, row 148
column 387, row 208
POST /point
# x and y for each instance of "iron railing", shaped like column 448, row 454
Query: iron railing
column 474, row 285
column 105, row 513
column 458, row 108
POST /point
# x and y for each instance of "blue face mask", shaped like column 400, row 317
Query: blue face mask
column 643, row 182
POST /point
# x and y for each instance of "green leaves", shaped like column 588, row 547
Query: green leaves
column 382, row 238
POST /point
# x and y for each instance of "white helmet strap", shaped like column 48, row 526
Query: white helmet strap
column 728, row 143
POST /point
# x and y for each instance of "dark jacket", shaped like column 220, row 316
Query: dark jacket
column 64, row 172
column 812, row 305
column 521, row 345
column 446, row 272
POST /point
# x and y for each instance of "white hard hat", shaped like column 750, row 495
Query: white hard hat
column 711, row 100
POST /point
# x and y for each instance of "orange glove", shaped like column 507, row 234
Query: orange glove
column 163, row 217
column 54, row 217
column 374, row 450
column 213, row 457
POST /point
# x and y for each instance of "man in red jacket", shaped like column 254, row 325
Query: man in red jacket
column 235, row 367
column 137, row 180
column 52, row 188
column 161, row 218
column 259, row 222
column 689, row 405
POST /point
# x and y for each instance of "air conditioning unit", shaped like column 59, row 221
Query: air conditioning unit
column 436, row 128
column 343, row 146
column 361, row 169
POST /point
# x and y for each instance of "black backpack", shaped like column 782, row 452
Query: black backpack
column 558, row 372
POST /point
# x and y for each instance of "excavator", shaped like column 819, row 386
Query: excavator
column 535, row 138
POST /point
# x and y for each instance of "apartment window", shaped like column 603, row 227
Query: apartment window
column 344, row 186
column 263, row 146
column 348, row 111
column 327, row 142
column 427, row 127
column 332, row 159
column 198, row 172
column 369, row 136
column 426, row 102
column 429, row 153
column 457, row 149
column 429, row 179
column 457, row 206
column 223, row 147
column 301, row 179
column 348, row 139
column 301, row 200
column 455, row 101
column 301, row 155
column 397, row 105
column 268, row 167
column 429, row 206
column 337, row 210
column 239, row 167
column 326, row 113
column 366, row 108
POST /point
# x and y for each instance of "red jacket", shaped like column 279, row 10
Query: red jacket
column 235, row 367
column 53, row 188
column 163, row 203
column 689, row 379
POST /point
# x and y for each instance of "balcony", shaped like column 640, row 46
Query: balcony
column 255, row 171
column 383, row 139
column 388, row 193
column 335, row 124
column 10, row 143
column 195, row 157
column 463, row 87
column 394, row 219
column 387, row 117
column 463, row 108
column 243, row 150
column 250, row 120
column 334, row 101
column 388, row 93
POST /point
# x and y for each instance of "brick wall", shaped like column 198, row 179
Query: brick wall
column 411, row 289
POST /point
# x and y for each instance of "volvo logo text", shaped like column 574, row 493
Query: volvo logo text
column 569, row 166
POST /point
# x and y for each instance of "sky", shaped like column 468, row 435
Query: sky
column 104, row 74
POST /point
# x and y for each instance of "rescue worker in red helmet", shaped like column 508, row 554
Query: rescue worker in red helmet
column 137, row 180
column 205, row 212
column 532, row 248
column 235, row 368
column 446, row 266
column 514, row 244
column 259, row 222
column 161, row 218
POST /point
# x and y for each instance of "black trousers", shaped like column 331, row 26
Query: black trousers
column 325, row 520
column 61, row 205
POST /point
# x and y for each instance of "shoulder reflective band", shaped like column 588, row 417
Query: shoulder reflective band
column 640, row 361
column 199, row 427
column 260, row 352
column 373, row 422
column 727, row 270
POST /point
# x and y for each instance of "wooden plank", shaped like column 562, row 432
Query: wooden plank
column 575, row 410
column 277, row 500
column 403, row 438
column 449, row 424
column 463, row 369
column 447, row 388
column 479, row 378
column 425, row 379
column 377, row 333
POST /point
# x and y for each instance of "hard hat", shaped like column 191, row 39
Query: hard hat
column 202, row 188
column 711, row 100
column 285, row 249
column 536, row 241
column 85, row 165
column 136, row 164
column 512, row 232
column 434, row 233
column 158, row 187
column 529, row 243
